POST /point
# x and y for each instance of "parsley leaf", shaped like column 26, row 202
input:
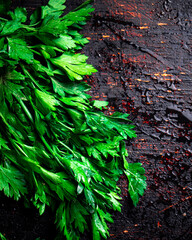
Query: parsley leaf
column 137, row 181
column 18, row 49
column 12, row 181
column 10, row 27
column 20, row 14
column 74, row 64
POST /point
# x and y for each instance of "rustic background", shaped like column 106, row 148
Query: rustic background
column 142, row 50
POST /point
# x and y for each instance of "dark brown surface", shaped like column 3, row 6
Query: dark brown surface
column 142, row 50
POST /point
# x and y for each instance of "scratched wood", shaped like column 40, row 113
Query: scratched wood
column 142, row 50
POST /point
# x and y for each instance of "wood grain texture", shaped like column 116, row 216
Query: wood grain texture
column 142, row 50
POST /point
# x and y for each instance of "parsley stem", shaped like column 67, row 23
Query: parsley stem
column 42, row 138
column 3, row 19
column 55, row 155
column 33, row 80
column 19, row 148
column 64, row 125
column 131, row 173
column 63, row 144
column 25, row 109
column 29, row 28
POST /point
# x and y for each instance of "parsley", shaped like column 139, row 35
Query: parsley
column 57, row 147
column 2, row 237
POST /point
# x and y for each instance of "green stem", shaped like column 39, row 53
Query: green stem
column 2, row 237
column 29, row 28
column 25, row 109
column 42, row 138
column 18, row 147
column 131, row 173
column 84, row 4
column 33, row 80
column 52, row 153
column 4, row 19
column 56, row 156
column 68, row 148
column 62, row 124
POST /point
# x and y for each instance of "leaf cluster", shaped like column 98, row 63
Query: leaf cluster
column 57, row 147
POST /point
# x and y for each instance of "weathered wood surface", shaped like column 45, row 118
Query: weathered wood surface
column 142, row 50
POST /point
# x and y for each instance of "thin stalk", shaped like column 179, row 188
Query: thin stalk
column 71, row 129
column 32, row 79
column 131, row 173
column 68, row 148
column 29, row 28
column 18, row 147
column 42, row 138
column 25, row 109
column 83, row 5
column 35, row 24
column 56, row 156
column 3, row 19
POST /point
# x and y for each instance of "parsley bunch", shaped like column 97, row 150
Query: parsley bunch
column 57, row 147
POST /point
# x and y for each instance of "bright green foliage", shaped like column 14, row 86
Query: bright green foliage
column 2, row 237
column 137, row 181
column 57, row 147
column 12, row 181
column 18, row 50
column 74, row 65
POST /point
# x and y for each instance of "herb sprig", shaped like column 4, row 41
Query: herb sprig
column 57, row 147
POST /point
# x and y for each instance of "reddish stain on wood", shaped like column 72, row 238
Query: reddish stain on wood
column 142, row 50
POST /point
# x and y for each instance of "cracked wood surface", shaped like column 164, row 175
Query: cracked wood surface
column 142, row 50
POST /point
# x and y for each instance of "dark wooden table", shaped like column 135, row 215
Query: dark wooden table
column 142, row 50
